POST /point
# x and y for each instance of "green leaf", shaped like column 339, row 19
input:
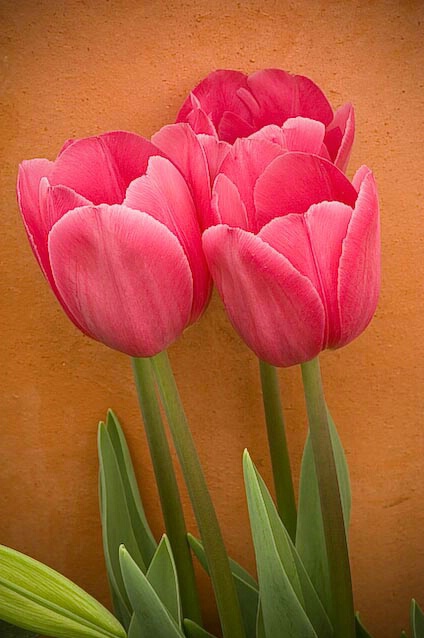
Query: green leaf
column 11, row 631
column 162, row 575
column 116, row 523
column 281, row 594
column 192, row 630
column 295, row 569
column 151, row 615
column 260, row 627
column 39, row 599
column 310, row 539
column 417, row 620
column 246, row 586
column 360, row 631
column 142, row 532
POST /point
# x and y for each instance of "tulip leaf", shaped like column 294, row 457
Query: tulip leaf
column 151, row 616
column 162, row 575
column 294, row 567
column 39, row 599
column 281, row 593
column 116, row 523
column 417, row 620
column 142, row 532
column 260, row 627
column 360, row 631
column 310, row 538
column 11, row 631
column 193, row 630
column 246, row 587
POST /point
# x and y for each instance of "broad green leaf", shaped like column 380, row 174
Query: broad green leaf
column 192, row 630
column 360, row 632
column 162, row 575
column 282, row 610
column 11, row 631
column 141, row 528
column 116, row 523
column 310, row 539
column 152, row 616
column 297, row 574
column 39, row 599
column 417, row 620
column 246, row 587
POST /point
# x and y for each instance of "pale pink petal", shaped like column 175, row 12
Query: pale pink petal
column 303, row 134
column 200, row 122
column 216, row 94
column 232, row 126
column 327, row 225
column 29, row 176
column 124, row 276
column 359, row 269
column 295, row 181
column 339, row 136
column 54, row 202
column 281, row 95
column 101, row 168
column 227, row 205
column 163, row 193
column 245, row 162
column 271, row 133
column 359, row 177
column 181, row 145
column 216, row 151
column 274, row 308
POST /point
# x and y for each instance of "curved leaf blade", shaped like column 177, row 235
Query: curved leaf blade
column 193, row 630
column 162, row 575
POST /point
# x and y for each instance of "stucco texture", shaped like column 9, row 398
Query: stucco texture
column 79, row 67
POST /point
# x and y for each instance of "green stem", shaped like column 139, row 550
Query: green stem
column 343, row 617
column 167, row 486
column 219, row 567
column 280, row 460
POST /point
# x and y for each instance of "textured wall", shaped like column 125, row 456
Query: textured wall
column 78, row 67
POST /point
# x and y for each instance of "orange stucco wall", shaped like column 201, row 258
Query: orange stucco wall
column 78, row 67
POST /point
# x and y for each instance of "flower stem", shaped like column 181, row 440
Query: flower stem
column 222, row 579
column 167, row 486
column 280, row 461
column 342, row 612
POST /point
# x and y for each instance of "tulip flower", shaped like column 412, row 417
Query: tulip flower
column 230, row 105
column 114, row 227
column 295, row 254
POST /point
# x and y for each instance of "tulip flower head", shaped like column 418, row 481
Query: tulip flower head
column 231, row 105
column 295, row 251
column 114, row 226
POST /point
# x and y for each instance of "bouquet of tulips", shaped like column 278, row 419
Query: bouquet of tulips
column 247, row 190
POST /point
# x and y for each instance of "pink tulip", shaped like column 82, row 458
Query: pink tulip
column 230, row 105
column 295, row 252
column 114, row 226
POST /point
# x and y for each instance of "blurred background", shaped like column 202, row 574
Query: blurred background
column 80, row 67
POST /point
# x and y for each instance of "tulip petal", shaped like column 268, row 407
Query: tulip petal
column 124, row 275
column 29, row 176
column 339, row 136
column 281, row 96
column 163, row 193
column 295, row 181
column 244, row 164
column 227, row 205
column 216, row 151
column 181, row 145
column 275, row 309
column 270, row 133
column 232, row 126
column 100, row 168
column 216, row 94
column 359, row 269
column 200, row 122
column 303, row 134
